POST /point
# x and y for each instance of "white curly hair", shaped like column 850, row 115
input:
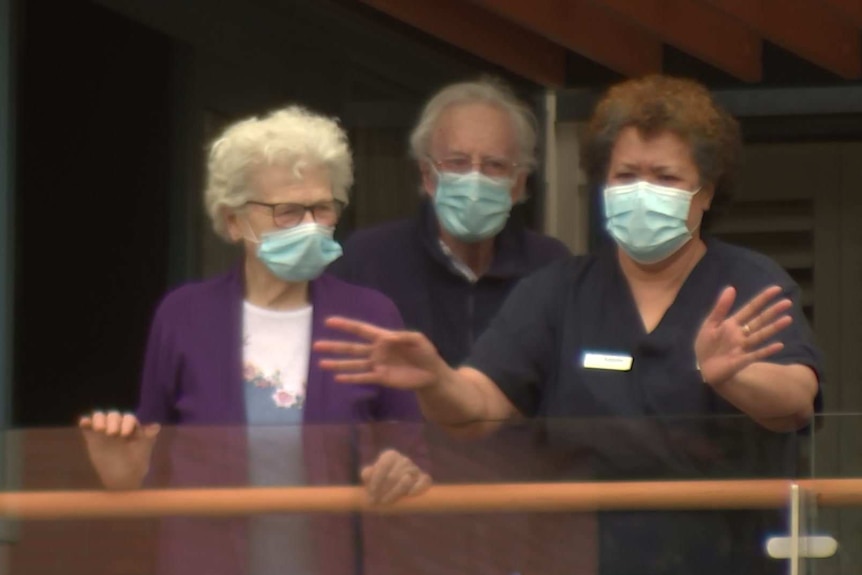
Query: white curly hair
column 293, row 137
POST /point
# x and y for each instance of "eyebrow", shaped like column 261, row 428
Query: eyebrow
column 659, row 168
column 459, row 153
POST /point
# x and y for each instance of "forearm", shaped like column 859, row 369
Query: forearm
column 464, row 398
column 780, row 397
column 452, row 400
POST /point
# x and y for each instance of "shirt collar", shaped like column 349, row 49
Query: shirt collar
column 510, row 259
column 457, row 264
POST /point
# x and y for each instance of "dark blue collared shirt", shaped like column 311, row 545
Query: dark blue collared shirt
column 569, row 346
column 404, row 261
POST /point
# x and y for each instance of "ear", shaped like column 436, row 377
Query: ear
column 429, row 178
column 519, row 188
column 708, row 193
column 232, row 224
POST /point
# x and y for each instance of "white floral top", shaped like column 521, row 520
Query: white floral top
column 276, row 350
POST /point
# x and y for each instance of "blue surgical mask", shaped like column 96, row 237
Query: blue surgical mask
column 648, row 221
column 472, row 207
column 300, row 253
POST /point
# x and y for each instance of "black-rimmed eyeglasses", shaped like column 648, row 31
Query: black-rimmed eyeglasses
column 288, row 215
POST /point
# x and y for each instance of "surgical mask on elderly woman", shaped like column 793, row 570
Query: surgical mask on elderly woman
column 472, row 206
column 648, row 221
column 300, row 253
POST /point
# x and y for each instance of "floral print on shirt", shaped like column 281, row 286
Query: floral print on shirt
column 281, row 397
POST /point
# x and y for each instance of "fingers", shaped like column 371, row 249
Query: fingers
column 393, row 476
column 421, row 485
column 111, row 424
column 767, row 317
column 358, row 378
column 100, row 421
column 764, row 352
column 757, row 355
column 364, row 330
column 359, row 371
column 764, row 334
column 342, row 348
column 346, row 365
column 128, row 425
column 752, row 309
column 722, row 307
column 412, row 482
column 366, row 474
column 381, row 472
column 151, row 431
column 385, row 338
column 398, row 488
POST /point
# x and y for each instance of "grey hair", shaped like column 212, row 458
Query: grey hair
column 486, row 90
column 293, row 137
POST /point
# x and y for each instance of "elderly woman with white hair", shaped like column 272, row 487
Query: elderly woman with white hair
column 235, row 350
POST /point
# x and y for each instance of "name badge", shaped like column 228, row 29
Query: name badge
column 607, row 361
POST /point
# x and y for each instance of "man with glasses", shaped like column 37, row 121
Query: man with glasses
column 449, row 269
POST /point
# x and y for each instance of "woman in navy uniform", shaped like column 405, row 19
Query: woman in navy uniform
column 669, row 354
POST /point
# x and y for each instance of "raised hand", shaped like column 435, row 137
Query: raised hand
column 726, row 345
column 399, row 359
column 119, row 447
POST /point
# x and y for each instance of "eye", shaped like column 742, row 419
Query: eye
column 496, row 166
column 288, row 210
column 324, row 208
column 457, row 164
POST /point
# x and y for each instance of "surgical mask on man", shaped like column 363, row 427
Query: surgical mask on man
column 472, row 206
column 300, row 253
column 648, row 221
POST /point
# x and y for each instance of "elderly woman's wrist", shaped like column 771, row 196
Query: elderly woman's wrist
column 123, row 479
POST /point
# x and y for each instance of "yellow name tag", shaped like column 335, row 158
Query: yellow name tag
column 607, row 361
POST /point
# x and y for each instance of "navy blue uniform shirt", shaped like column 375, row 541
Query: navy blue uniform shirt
column 657, row 420
column 404, row 261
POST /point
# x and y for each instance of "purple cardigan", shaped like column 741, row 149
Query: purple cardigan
column 193, row 368
column 193, row 379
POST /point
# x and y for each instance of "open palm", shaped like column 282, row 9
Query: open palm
column 399, row 359
column 726, row 345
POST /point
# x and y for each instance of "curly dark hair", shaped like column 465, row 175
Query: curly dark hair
column 655, row 104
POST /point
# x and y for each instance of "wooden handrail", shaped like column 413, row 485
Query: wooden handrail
column 548, row 497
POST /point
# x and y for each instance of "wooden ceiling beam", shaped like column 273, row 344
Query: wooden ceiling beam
column 807, row 28
column 851, row 9
column 587, row 29
column 700, row 30
column 484, row 34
